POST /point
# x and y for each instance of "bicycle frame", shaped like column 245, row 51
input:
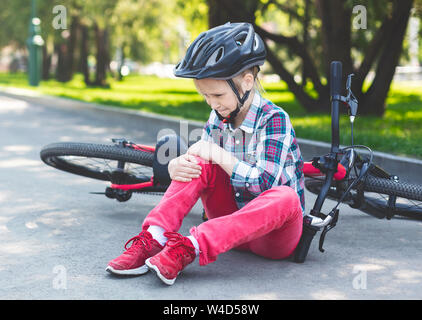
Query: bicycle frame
column 137, row 186
column 309, row 169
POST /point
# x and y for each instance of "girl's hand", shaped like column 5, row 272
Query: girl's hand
column 206, row 150
column 214, row 153
column 184, row 168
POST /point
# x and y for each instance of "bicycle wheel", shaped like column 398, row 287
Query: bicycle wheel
column 382, row 198
column 102, row 162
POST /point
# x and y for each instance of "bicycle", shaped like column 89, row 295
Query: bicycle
column 129, row 167
column 354, row 179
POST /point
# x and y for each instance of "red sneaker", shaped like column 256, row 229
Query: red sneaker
column 177, row 254
column 132, row 261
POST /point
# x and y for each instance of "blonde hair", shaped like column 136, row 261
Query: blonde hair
column 257, row 84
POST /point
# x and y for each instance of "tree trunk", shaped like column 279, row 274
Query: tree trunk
column 306, row 20
column 102, row 57
column 73, row 39
column 62, row 71
column 84, row 54
column 335, row 16
column 373, row 101
column 65, row 50
column 222, row 11
column 46, row 63
column 121, row 61
column 312, row 105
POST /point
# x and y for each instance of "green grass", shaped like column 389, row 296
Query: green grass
column 174, row 97
column 398, row 132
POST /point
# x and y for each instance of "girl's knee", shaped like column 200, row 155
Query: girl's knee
column 285, row 192
column 287, row 197
column 202, row 162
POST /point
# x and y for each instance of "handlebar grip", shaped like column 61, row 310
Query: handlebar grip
column 335, row 78
column 302, row 248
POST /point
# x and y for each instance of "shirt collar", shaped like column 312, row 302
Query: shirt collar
column 248, row 123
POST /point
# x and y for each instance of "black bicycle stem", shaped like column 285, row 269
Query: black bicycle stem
column 330, row 167
column 331, row 160
column 335, row 96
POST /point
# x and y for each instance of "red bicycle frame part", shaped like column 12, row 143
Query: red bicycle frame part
column 142, row 147
column 135, row 186
column 310, row 171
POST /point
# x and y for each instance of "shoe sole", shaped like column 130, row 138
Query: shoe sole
column 154, row 268
column 128, row 272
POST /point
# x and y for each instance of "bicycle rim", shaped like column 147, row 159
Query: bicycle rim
column 394, row 197
column 378, row 200
column 100, row 162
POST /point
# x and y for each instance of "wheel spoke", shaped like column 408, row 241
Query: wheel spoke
column 107, row 165
column 377, row 203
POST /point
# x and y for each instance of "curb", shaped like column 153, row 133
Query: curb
column 408, row 169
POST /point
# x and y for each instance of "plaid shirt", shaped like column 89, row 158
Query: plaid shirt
column 265, row 143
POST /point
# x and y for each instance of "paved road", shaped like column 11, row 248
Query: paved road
column 56, row 238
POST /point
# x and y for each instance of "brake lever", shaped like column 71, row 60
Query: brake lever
column 351, row 100
column 327, row 228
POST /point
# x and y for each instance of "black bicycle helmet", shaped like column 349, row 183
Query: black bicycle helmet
column 222, row 53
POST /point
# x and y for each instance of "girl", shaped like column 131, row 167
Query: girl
column 246, row 168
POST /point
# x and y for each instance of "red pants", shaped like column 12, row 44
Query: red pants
column 270, row 225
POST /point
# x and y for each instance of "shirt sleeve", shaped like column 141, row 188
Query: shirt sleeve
column 272, row 150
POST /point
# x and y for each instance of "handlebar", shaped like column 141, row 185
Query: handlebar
column 335, row 78
column 335, row 94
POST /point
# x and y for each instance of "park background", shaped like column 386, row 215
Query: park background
column 122, row 53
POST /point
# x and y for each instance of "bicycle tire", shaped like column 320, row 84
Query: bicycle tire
column 62, row 156
column 396, row 188
column 377, row 191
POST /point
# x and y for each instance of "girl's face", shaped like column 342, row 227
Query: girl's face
column 218, row 95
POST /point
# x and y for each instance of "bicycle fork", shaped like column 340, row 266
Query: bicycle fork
column 316, row 220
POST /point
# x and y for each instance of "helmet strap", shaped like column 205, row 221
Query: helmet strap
column 230, row 118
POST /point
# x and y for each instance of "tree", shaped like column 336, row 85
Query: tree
column 323, row 33
column 219, row 13
column 141, row 30
column 96, row 14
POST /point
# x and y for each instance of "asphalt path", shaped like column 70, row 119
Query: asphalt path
column 57, row 238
